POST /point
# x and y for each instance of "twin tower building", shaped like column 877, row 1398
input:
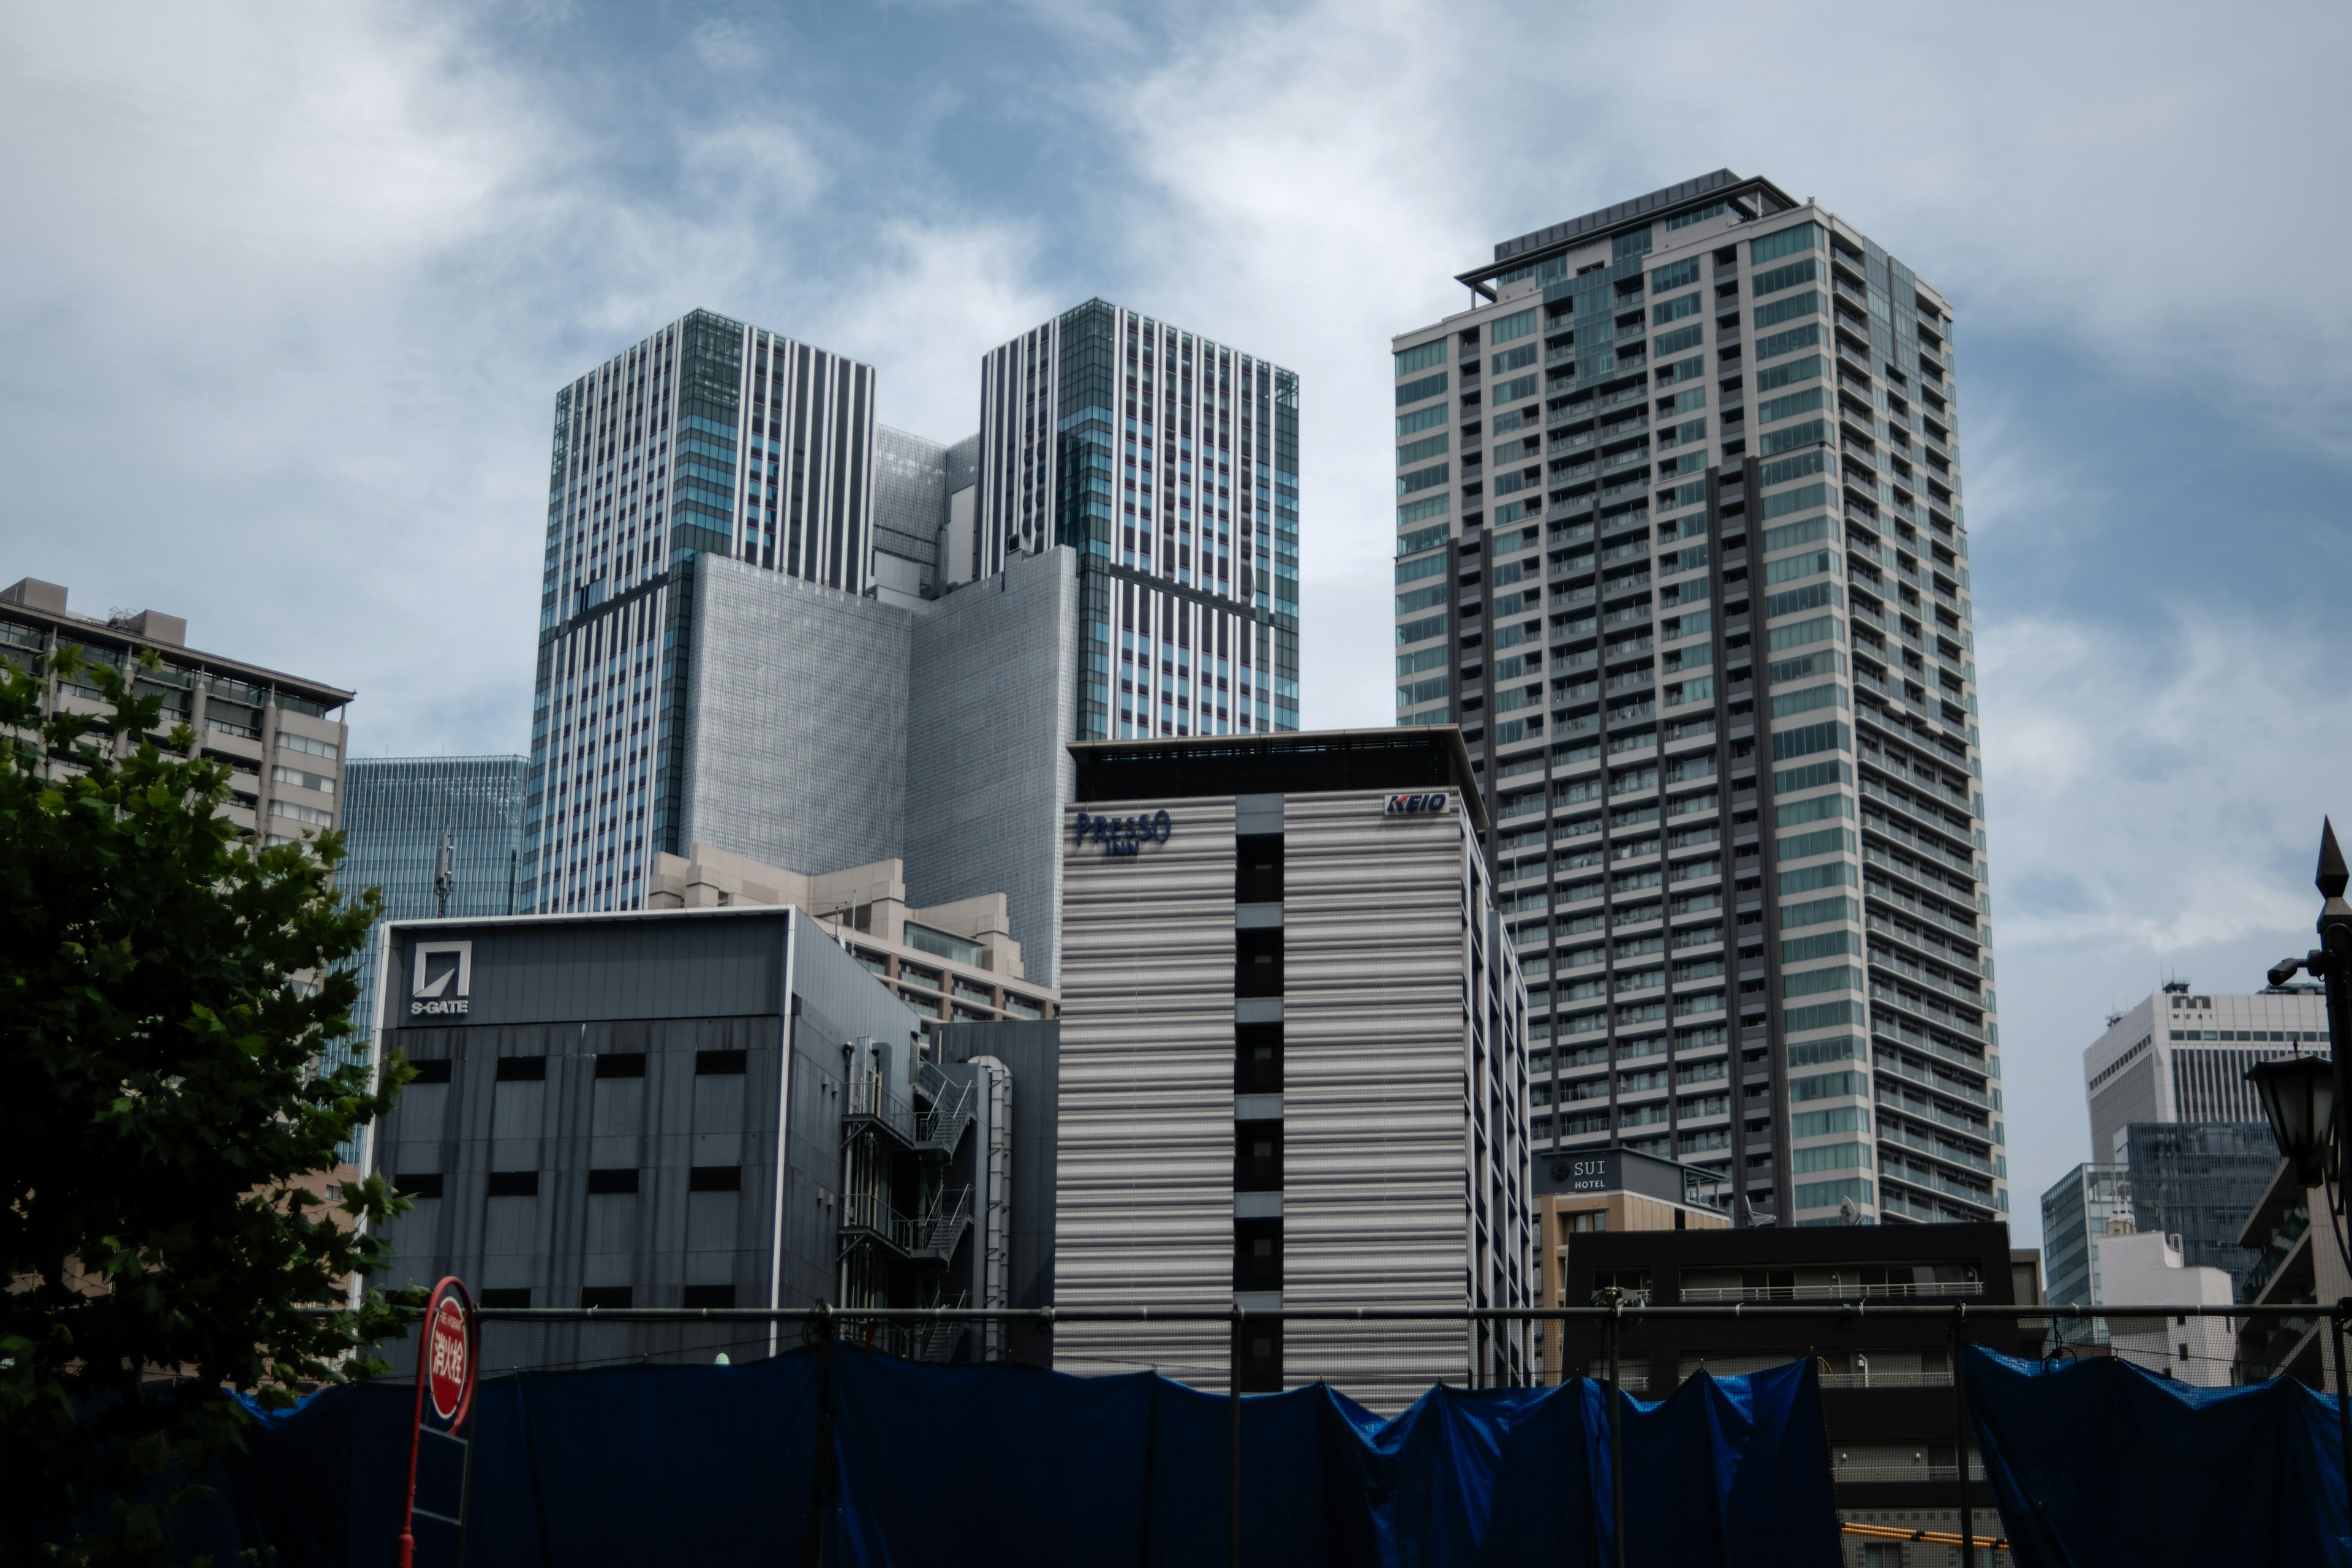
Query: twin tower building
column 771, row 624
column 1680, row 573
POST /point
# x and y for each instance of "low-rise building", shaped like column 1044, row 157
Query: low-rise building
column 2146, row 1269
column 1611, row 1189
column 950, row 962
column 684, row 1107
column 1886, row 1382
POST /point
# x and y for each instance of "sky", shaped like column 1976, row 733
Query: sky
column 287, row 292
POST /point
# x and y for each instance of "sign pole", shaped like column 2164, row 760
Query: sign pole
column 445, row 1365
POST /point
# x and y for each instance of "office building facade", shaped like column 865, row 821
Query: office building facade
column 282, row 736
column 1680, row 550
column 397, row 811
column 1292, row 1067
column 696, row 1108
column 1169, row 463
column 709, row 439
column 2196, row 1182
column 772, row 626
column 2180, row 1055
column 2080, row 1211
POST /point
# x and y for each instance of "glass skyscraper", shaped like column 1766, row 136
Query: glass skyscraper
column 710, row 438
column 396, row 812
column 1681, row 548
column 1169, row 464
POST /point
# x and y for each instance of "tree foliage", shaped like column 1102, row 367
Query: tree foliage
column 168, row 1002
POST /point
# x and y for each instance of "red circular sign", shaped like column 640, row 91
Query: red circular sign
column 446, row 1350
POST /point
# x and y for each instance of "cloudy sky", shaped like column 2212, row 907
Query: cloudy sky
column 286, row 292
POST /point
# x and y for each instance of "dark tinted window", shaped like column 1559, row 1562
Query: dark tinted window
column 432, row 1072
column 709, row 1296
column 1257, row 1156
column 522, row 1069
column 1257, row 1058
column 1258, row 869
column 621, row 1064
column 613, row 1180
column 720, row 1062
column 715, row 1179
column 503, row 1297
column 1257, row 962
column 608, row 1296
column 420, row 1184
column 514, row 1184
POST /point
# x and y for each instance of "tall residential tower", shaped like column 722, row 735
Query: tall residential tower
column 1681, row 548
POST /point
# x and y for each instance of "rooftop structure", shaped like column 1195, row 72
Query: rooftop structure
column 950, row 962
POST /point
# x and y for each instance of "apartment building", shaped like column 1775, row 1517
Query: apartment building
column 1680, row 550
column 282, row 736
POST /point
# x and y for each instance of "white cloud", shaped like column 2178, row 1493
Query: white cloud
column 2153, row 804
column 936, row 297
column 1308, row 181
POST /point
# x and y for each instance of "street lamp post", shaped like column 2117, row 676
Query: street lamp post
column 2308, row 1102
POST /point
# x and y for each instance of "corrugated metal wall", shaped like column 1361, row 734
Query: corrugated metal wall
column 1376, row 1119
column 1404, row 1084
column 1144, row 1200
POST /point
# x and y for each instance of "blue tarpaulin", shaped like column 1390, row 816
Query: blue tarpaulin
column 2097, row 1461
column 998, row 1463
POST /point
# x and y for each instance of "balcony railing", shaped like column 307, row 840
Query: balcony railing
column 1931, row 1289
column 1896, row 1067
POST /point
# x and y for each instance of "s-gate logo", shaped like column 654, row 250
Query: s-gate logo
column 1120, row 835
column 444, row 982
column 1417, row 804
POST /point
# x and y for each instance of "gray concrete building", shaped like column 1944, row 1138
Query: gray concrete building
column 282, row 736
column 2181, row 1055
column 1293, row 1062
column 1169, row 463
column 712, row 1107
column 1681, row 549
column 772, row 626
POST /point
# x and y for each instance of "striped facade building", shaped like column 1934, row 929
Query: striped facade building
column 709, row 437
column 1169, row 464
column 1293, row 1063
column 1680, row 550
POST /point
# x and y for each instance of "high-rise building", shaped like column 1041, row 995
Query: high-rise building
column 775, row 628
column 397, row 811
column 709, row 439
column 2086, row 1205
column 1291, row 1070
column 1681, row 548
column 2196, row 1182
column 2179, row 1055
column 281, row 735
column 1169, row 464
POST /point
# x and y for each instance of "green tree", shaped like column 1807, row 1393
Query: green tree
column 169, row 998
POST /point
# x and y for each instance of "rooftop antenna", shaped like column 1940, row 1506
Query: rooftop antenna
column 445, row 872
